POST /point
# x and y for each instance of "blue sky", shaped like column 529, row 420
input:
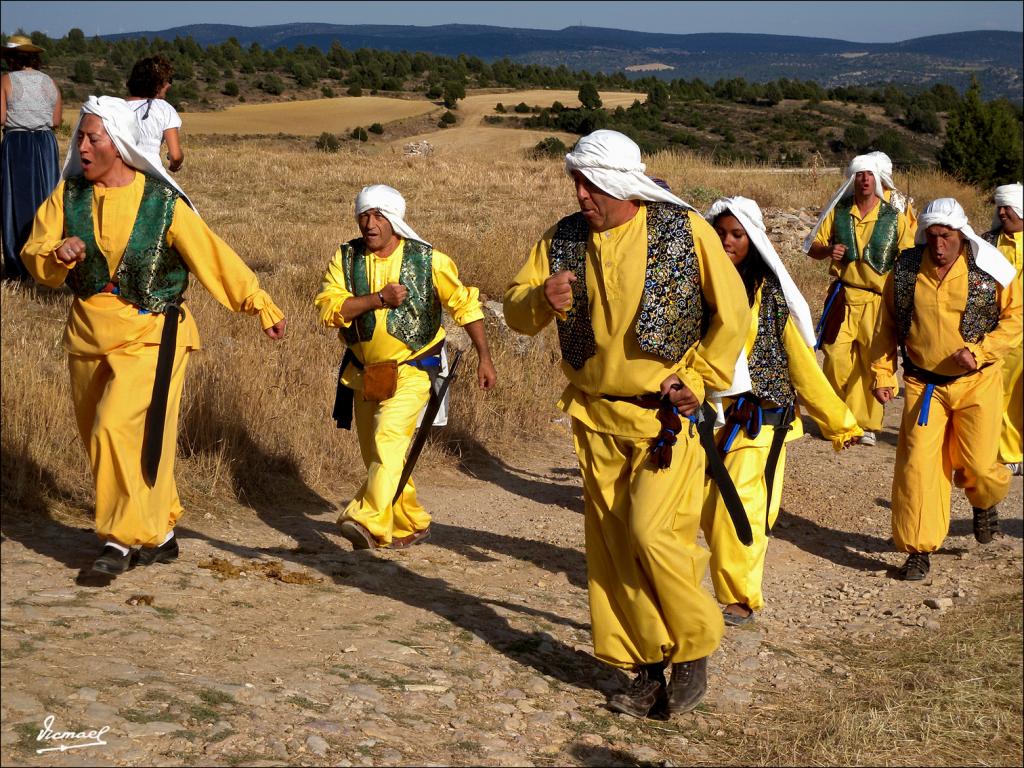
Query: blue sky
column 868, row 22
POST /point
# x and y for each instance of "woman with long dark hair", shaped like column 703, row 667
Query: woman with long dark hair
column 759, row 414
column 158, row 121
column 30, row 109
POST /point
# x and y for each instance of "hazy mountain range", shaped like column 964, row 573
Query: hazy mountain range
column 995, row 57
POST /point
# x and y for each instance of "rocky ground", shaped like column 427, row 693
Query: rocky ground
column 270, row 642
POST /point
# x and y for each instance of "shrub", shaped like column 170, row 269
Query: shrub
column 230, row 88
column 327, row 92
column 500, row 108
column 522, row 108
column 328, row 142
column 271, row 84
column 359, row 133
column 82, row 72
column 552, row 146
column 377, row 128
column 448, row 118
column 354, row 90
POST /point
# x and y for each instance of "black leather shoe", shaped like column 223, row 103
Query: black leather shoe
column 916, row 568
column 111, row 562
column 688, row 685
column 646, row 693
column 163, row 554
column 986, row 523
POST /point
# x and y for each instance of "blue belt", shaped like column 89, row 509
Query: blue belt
column 434, row 361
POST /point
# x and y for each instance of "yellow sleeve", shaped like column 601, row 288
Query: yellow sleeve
column 824, row 236
column 1006, row 336
column 711, row 362
column 526, row 308
column 221, row 271
column 461, row 301
column 883, row 345
column 333, row 293
column 820, row 401
column 907, row 230
column 47, row 235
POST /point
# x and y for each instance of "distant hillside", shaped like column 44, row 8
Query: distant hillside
column 994, row 57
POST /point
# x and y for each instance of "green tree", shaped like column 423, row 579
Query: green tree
column 82, row 72
column 453, row 91
column 588, row 96
column 983, row 141
column 75, row 40
column 230, row 88
column 657, row 95
column 856, row 137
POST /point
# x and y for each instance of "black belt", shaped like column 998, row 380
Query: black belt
column 153, row 437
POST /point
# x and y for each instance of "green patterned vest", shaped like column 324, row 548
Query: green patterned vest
column 670, row 318
column 416, row 321
column 151, row 274
column 768, row 361
column 980, row 315
column 883, row 246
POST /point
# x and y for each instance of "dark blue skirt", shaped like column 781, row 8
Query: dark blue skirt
column 30, row 172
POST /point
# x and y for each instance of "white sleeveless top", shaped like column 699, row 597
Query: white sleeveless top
column 154, row 116
column 32, row 101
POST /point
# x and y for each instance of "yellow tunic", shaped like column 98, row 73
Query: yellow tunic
column 961, row 439
column 737, row 570
column 1010, row 449
column 112, row 351
column 616, row 263
column 385, row 429
column 847, row 361
column 644, row 565
column 105, row 321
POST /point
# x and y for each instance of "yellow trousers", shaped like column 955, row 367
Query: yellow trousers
column 644, row 566
column 959, row 441
column 111, row 394
column 1013, row 408
column 385, row 432
column 847, row 362
column 737, row 570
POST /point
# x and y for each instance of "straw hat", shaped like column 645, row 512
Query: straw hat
column 20, row 43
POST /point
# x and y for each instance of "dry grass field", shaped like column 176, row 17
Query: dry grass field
column 261, row 411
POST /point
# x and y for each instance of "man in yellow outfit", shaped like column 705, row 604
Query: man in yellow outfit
column 385, row 291
column 650, row 314
column 952, row 308
column 121, row 233
column 1006, row 236
column 860, row 236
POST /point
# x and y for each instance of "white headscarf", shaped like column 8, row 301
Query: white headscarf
column 859, row 163
column 611, row 161
column 389, row 202
column 749, row 215
column 949, row 213
column 1010, row 195
column 123, row 129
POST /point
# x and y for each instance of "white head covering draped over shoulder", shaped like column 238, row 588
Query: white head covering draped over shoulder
column 748, row 213
column 389, row 202
column 860, row 163
column 123, row 129
column 611, row 161
column 949, row 213
column 1010, row 195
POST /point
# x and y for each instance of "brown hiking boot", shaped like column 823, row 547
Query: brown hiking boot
column 916, row 567
column 986, row 523
column 357, row 534
column 688, row 685
column 645, row 693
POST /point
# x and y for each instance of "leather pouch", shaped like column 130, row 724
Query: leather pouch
column 380, row 380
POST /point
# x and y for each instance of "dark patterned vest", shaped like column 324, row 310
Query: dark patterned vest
column 883, row 246
column 416, row 321
column 992, row 236
column 151, row 274
column 768, row 361
column 671, row 313
column 980, row 315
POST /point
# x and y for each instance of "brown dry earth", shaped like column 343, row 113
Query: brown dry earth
column 270, row 642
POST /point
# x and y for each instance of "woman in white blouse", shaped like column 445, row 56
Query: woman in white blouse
column 158, row 120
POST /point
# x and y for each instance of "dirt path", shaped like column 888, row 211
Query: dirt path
column 473, row 648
